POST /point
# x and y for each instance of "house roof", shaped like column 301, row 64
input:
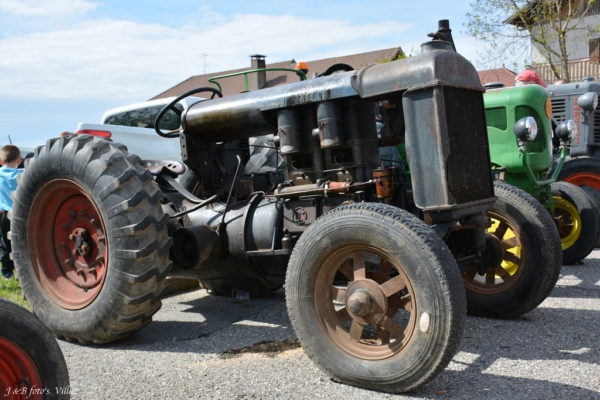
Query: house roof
column 502, row 75
column 236, row 84
column 533, row 9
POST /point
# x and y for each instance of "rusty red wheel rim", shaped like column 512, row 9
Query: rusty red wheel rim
column 67, row 244
column 584, row 179
column 377, row 328
column 19, row 376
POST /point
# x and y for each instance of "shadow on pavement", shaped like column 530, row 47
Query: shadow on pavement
column 496, row 357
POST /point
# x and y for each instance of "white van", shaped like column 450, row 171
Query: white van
column 133, row 125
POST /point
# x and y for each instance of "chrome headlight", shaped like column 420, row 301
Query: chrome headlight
column 526, row 129
column 566, row 130
column 588, row 101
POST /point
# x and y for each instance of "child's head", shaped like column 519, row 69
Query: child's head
column 10, row 155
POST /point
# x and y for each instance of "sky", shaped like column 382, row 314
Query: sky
column 68, row 61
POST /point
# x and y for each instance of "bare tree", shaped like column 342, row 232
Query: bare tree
column 510, row 26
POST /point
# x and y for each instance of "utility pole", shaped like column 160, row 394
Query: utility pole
column 204, row 63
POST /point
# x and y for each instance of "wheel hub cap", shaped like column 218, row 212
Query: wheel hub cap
column 69, row 244
column 366, row 302
column 360, row 303
column 492, row 255
column 80, row 237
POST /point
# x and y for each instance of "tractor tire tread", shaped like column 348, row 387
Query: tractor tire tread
column 127, row 197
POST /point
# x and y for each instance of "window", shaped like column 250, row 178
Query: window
column 144, row 118
column 595, row 49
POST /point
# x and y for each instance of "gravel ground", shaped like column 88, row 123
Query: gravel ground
column 552, row 352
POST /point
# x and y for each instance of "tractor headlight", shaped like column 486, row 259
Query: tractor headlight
column 588, row 101
column 566, row 130
column 526, row 129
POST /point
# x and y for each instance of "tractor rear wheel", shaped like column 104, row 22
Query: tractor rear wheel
column 32, row 365
column 581, row 171
column 375, row 297
column 577, row 219
column 89, row 239
column 524, row 257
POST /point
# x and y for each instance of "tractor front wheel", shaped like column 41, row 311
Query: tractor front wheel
column 577, row 219
column 524, row 257
column 375, row 297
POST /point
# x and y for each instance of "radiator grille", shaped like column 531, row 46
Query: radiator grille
column 496, row 117
column 468, row 165
column 559, row 109
column 597, row 125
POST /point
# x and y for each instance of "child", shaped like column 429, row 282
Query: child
column 10, row 157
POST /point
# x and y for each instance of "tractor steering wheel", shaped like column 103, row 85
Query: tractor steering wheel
column 171, row 106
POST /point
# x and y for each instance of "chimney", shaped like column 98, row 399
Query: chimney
column 257, row 80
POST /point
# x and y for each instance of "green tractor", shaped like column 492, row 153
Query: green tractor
column 523, row 157
column 521, row 261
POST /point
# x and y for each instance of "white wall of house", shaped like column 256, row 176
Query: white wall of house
column 577, row 40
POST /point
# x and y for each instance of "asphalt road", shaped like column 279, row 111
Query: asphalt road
column 552, row 352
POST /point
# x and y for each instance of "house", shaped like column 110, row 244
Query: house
column 265, row 79
column 237, row 84
column 582, row 43
column 502, row 75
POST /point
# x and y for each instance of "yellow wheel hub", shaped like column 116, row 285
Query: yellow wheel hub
column 507, row 265
column 568, row 221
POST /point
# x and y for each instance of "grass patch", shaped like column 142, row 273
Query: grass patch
column 11, row 290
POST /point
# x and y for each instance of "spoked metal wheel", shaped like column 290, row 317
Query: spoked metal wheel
column 506, row 261
column 568, row 222
column 577, row 219
column 521, row 261
column 375, row 297
column 68, row 241
column 365, row 302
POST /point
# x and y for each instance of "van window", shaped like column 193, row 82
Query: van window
column 144, row 118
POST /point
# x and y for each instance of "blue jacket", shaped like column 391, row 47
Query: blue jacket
column 8, row 184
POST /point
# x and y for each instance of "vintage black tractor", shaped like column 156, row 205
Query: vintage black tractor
column 374, row 293
column 526, row 160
